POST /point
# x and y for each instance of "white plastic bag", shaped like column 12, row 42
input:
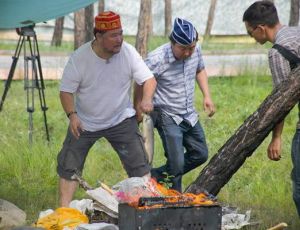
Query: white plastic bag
column 131, row 189
column 97, row 226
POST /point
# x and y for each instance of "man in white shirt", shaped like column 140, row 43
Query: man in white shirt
column 95, row 93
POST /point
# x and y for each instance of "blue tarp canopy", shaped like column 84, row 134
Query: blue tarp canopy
column 20, row 13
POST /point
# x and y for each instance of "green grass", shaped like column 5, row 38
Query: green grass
column 233, row 44
column 215, row 44
column 44, row 47
column 28, row 173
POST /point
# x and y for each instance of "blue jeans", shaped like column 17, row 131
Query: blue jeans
column 185, row 149
column 296, row 169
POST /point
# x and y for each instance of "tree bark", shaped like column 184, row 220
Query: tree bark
column 248, row 137
column 79, row 28
column 101, row 6
column 150, row 25
column 143, row 28
column 168, row 17
column 58, row 32
column 89, row 22
column 294, row 13
column 210, row 19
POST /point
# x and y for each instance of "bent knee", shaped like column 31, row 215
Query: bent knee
column 201, row 157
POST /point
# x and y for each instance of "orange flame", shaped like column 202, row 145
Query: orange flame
column 173, row 196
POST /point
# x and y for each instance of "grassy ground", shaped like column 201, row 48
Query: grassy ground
column 28, row 173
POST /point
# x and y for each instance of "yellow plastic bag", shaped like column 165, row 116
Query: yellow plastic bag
column 62, row 217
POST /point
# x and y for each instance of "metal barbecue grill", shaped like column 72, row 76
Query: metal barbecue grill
column 151, row 215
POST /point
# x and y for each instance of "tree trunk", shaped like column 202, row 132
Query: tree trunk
column 101, row 6
column 143, row 28
column 58, row 32
column 79, row 28
column 210, row 19
column 248, row 137
column 168, row 17
column 89, row 22
column 150, row 25
column 294, row 13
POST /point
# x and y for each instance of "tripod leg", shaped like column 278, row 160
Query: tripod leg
column 40, row 86
column 29, row 85
column 30, row 110
column 12, row 70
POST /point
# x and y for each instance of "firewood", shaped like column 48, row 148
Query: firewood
column 76, row 176
column 105, row 187
column 241, row 145
column 279, row 226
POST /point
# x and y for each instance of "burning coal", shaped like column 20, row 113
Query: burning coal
column 157, row 196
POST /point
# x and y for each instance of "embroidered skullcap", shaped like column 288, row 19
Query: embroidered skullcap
column 107, row 20
column 184, row 33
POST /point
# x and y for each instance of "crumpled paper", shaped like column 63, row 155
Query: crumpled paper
column 231, row 219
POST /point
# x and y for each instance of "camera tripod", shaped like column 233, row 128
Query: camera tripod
column 33, row 77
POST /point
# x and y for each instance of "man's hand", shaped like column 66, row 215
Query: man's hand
column 75, row 125
column 209, row 107
column 146, row 106
column 139, row 116
column 274, row 149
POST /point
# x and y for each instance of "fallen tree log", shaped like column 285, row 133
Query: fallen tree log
column 231, row 156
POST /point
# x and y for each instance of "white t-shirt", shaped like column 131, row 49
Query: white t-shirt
column 103, row 88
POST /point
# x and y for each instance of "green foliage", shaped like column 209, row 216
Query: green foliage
column 167, row 183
